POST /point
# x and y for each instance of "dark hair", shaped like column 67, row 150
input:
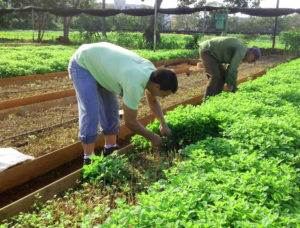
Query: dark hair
column 167, row 79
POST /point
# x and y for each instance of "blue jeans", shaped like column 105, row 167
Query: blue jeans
column 95, row 105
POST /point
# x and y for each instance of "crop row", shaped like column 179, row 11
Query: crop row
column 241, row 167
column 135, row 39
column 245, row 171
column 29, row 60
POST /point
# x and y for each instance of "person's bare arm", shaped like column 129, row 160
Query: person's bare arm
column 158, row 113
column 130, row 118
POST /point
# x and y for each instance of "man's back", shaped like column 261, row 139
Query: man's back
column 224, row 48
column 117, row 69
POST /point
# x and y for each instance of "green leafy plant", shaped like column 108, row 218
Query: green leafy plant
column 193, row 42
column 29, row 60
column 106, row 170
column 291, row 40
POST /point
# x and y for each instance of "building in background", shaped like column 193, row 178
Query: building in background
column 119, row 4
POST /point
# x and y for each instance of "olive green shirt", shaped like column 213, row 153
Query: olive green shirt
column 227, row 50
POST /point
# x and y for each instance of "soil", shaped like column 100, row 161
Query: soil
column 37, row 144
column 34, row 88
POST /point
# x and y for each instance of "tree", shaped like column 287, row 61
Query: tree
column 242, row 3
column 186, row 22
column 41, row 19
column 4, row 22
column 67, row 21
column 149, row 31
column 195, row 3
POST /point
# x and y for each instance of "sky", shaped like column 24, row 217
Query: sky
column 264, row 3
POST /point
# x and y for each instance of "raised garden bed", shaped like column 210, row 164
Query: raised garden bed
column 36, row 145
column 242, row 168
column 27, row 141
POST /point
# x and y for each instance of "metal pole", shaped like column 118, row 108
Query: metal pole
column 275, row 27
column 226, row 24
column 32, row 17
column 204, row 21
column 155, row 18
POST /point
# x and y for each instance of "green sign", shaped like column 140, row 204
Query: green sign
column 220, row 20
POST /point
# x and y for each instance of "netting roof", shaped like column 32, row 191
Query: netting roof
column 66, row 12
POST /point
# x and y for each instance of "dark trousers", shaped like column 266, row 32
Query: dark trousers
column 215, row 72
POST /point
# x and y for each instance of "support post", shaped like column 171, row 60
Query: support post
column 204, row 22
column 275, row 26
column 155, row 21
column 32, row 18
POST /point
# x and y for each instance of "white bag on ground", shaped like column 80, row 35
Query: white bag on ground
column 10, row 157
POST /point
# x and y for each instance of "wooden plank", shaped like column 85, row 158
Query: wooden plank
column 170, row 62
column 36, row 99
column 37, row 107
column 32, row 77
column 28, row 170
column 25, row 204
column 125, row 149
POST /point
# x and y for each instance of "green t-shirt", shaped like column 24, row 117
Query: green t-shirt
column 227, row 50
column 116, row 69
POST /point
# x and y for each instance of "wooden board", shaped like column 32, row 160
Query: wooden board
column 28, row 170
column 32, row 77
column 25, row 204
column 36, row 99
column 37, row 107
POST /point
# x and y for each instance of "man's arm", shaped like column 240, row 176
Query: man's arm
column 130, row 118
column 158, row 113
column 232, row 70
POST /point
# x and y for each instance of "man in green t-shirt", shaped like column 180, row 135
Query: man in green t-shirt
column 224, row 50
column 101, row 72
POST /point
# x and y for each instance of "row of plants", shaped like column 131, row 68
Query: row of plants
column 135, row 39
column 292, row 40
column 240, row 168
column 29, row 60
column 261, row 41
column 245, row 174
column 126, row 39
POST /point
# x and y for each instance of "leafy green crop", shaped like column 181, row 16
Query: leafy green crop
column 106, row 170
column 29, row 60
column 241, row 167
column 217, row 188
column 188, row 125
column 246, row 175
column 291, row 40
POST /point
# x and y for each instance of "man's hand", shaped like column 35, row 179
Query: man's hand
column 165, row 130
column 132, row 123
column 231, row 88
column 156, row 140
